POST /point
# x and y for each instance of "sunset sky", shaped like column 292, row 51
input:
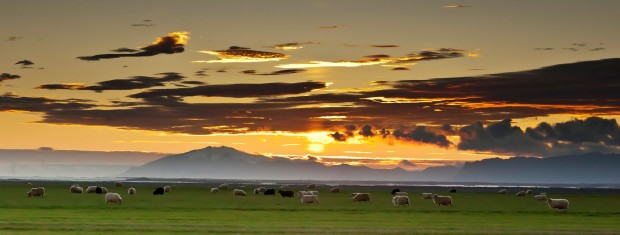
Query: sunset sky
column 379, row 83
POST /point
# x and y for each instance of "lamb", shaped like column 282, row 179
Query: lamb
column 401, row 194
column 113, row 198
column 442, row 200
column 521, row 194
column 223, row 186
column 91, row 189
column 36, row 192
column 215, row 190
column 308, row 199
column 560, row 204
column 167, row 189
column 335, row 190
column 426, row 195
column 503, row 191
column 540, row 197
column 400, row 200
column 76, row 189
column 131, row 191
column 361, row 197
column 239, row 192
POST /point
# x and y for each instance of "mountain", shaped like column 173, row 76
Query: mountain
column 229, row 163
column 591, row 168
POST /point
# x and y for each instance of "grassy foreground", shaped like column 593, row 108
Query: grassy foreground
column 193, row 209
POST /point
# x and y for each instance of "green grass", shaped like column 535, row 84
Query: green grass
column 193, row 209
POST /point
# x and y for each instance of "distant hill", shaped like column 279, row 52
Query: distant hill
column 591, row 168
column 229, row 163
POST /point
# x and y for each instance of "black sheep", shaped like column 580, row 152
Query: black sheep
column 287, row 193
column 158, row 191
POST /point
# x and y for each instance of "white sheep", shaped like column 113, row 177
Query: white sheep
column 307, row 199
column 113, row 198
column 238, row 192
column 76, row 189
column 91, row 189
column 521, row 194
column 284, row 187
column 503, row 191
column 426, row 195
column 361, row 197
column 560, row 204
column 131, row 191
column 540, row 197
column 400, row 200
column 442, row 200
column 36, row 192
column 223, row 186
column 262, row 189
column 256, row 191
column 104, row 190
column 401, row 194
column 215, row 190
column 167, row 188
column 335, row 190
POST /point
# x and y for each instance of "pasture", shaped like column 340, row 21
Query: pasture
column 191, row 208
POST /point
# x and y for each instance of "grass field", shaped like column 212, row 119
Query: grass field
column 191, row 208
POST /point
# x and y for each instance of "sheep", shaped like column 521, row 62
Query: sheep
column 223, row 186
column 442, row 200
column 91, row 189
column 167, row 189
column 239, row 192
column 284, row 187
column 75, row 185
column 131, row 191
column 256, row 191
column 335, row 190
column 453, row 191
column 76, row 189
column 270, row 191
column 104, row 190
column 36, row 192
column 503, row 191
column 98, row 190
column 287, row 193
column 560, row 204
column 521, row 194
column 426, row 195
column 361, row 197
column 529, row 191
column 400, row 200
column 310, row 186
column 113, row 198
column 401, row 194
column 308, row 199
column 118, row 184
column 262, row 189
column 158, row 191
column 215, row 190
column 303, row 193
column 394, row 191
column 540, row 197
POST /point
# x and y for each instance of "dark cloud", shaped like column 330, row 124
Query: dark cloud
column 338, row 136
column 544, row 49
column 291, row 45
column 441, row 53
column 384, row 46
column 173, row 43
column 366, row 131
column 379, row 56
column 400, row 69
column 142, row 25
column 137, row 82
column 125, row 49
column 237, row 54
column 25, row 62
column 422, row 134
column 235, row 90
column 407, row 163
column 597, row 49
column 576, row 136
column 278, row 72
column 14, row 38
column 201, row 73
column 249, row 71
column 9, row 102
column 7, row 76
column 193, row 82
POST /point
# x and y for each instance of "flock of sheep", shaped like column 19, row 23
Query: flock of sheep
column 308, row 196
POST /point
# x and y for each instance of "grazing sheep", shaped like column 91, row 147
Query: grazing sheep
column 394, row 191
column 131, row 191
column 560, row 204
column 104, row 190
column 503, row 191
column 540, row 197
column 223, row 186
column 76, row 189
column 270, row 191
column 310, row 186
column 113, row 198
column 91, row 189
column 308, row 199
column 521, row 194
column 401, row 194
column 442, row 200
column 529, row 191
column 262, row 189
column 75, row 185
column 256, row 191
column 287, row 193
column 284, row 187
column 400, row 200
column 239, row 192
column 98, row 190
column 158, row 191
column 118, row 184
column 167, row 189
column 426, row 195
column 335, row 190
column 453, row 191
column 36, row 192
column 361, row 197
column 215, row 190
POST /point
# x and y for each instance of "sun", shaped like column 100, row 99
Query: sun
column 316, row 148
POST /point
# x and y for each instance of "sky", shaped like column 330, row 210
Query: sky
column 410, row 84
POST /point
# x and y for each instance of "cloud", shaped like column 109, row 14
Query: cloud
column 291, row 45
column 333, row 26
column 278, row 72
column 172, row 43
column 366, row 131
column 25, row 62
column 400, row 69
column 124, row 49
column 236, row 54
column 338, row 136
column 385, row 46
column 455, row 6
column 137, row 82
column 422, row 134
column 13, row 38
column 7, row 76
column 11, row 102
column 571, row 137
column 544, row 49
column 145, row 23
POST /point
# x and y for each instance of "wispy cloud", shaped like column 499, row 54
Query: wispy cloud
column 278, row 72
column 237, row 54
column 14, row 38
column 137, row 82
column 7, row 76
column 291, row 45
column 173, row 43
column 25, row 62
column 455, row 6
